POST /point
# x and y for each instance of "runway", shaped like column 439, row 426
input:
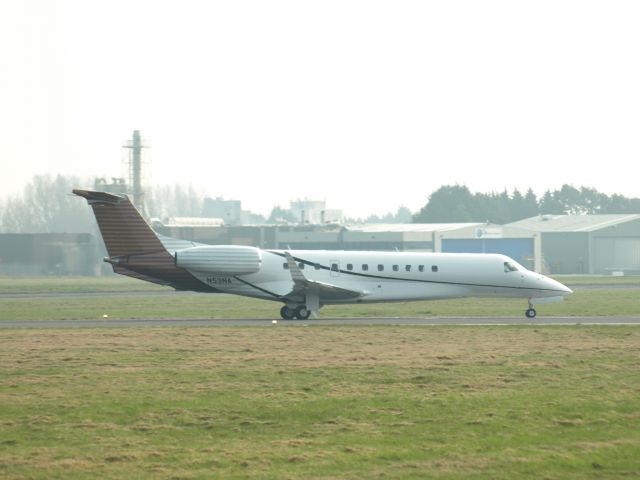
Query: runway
column 162, row 293
column 397, row 321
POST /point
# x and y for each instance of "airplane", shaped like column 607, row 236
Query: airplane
column 305, row 280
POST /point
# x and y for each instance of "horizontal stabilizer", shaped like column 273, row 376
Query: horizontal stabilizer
column 100, row 197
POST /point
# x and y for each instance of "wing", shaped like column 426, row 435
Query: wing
column 304, row 289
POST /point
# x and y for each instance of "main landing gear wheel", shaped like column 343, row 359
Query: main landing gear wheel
column 287, row 313
column 302, row 312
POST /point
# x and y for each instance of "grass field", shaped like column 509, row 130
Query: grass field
column 321, row 402
column 587, row 303
column 315, row 402
column 605, row 296
column 115, row 283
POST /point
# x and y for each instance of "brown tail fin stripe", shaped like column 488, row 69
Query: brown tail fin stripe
column 133, row 247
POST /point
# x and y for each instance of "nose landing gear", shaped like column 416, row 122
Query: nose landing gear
column 531, row 312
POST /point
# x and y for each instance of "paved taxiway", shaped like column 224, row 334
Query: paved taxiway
column 161, row 293
column 118, row 323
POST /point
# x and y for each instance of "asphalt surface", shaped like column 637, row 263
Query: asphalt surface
column 161, row 293
column 119, row 323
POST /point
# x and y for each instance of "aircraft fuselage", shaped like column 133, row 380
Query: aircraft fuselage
column 390, row 276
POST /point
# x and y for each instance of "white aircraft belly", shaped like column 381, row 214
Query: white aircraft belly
column 398, row 290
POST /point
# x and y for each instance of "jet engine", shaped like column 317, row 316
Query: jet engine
column 220, row 259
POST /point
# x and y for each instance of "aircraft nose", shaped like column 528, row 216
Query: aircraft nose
column 559, row 286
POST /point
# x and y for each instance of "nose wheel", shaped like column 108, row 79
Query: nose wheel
column 531, row 312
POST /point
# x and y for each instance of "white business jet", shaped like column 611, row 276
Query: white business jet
column 305, row 280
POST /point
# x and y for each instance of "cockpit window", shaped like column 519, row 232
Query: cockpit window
column 510, row 267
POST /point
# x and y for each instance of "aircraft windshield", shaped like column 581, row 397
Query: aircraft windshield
column 510, row 267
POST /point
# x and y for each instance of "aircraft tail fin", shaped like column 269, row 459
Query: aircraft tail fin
column 123, row 229
column 134, row 248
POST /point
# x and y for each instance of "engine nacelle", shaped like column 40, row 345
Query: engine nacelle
column 220, row 259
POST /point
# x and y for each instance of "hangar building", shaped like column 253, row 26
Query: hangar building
column 556, row 244
column 379, row 237
column 587, row 244
column 49, row 254
column 518, row 243
column 403, row 237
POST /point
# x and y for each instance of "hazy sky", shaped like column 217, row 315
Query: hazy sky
column 367, row 105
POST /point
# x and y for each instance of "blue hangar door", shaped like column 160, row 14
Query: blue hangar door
column 520, row 249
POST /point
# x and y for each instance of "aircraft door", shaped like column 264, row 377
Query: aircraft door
column 335, row 268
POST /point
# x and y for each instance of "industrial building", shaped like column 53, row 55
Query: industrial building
column 379, row 237
column 314, row 212
column 230, row 211
column 588, row 244
column 50, row 254
column 521, row 244
column 556, row 244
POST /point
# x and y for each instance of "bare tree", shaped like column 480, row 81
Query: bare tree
column 163, row 201
column 47, row 206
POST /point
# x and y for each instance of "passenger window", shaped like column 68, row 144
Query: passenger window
column 285, row 265
column 349, row 266
column 434, row 268
column 510, row 267
column 301, row 265
column 316, row 266
column 407, row 268
column 365, row 267
column 334, row 267
column 395, row 268
column 380, row 267
column 421, row 268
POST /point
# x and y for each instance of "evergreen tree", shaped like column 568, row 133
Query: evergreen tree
column 457, row 204
column 450, row 203
column 571, row 200
column 530, row 206
column 550, row 204
column 402, row 215
column 591, row 200
column 501, row 211
column 516, row 206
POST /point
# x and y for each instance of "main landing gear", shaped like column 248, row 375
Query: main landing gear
column 531, row 312
column 301, row 312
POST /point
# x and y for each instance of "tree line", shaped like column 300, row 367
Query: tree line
column 456, row 203
column 47, row 205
